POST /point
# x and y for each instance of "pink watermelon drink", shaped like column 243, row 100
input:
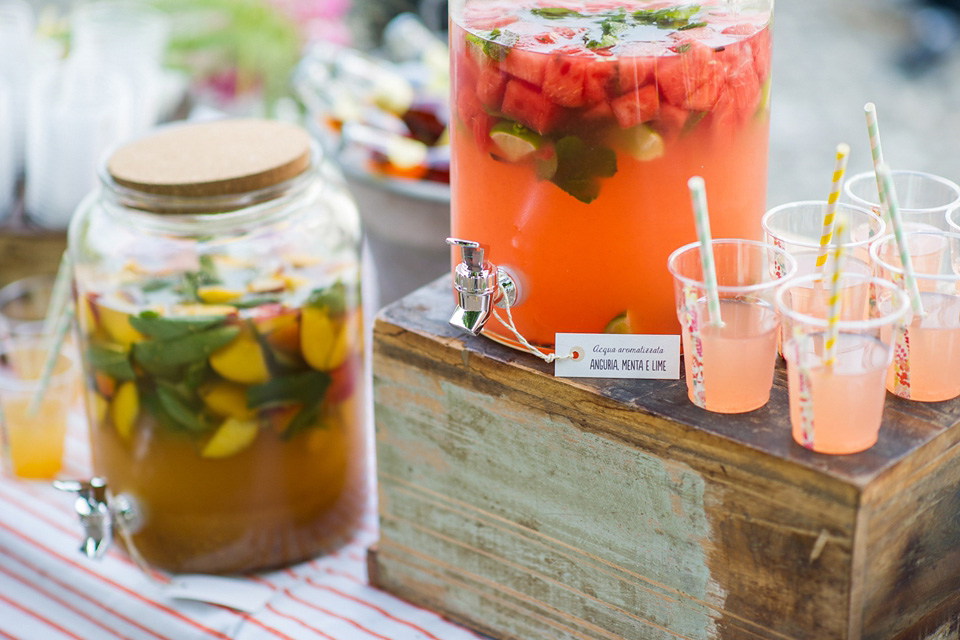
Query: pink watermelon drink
column 575, row 129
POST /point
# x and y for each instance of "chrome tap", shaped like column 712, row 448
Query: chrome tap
column 99, row 513
column 478, row 285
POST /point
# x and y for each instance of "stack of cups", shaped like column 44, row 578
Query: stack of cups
column 77, row 112
column 16, row 28
column 108, row 90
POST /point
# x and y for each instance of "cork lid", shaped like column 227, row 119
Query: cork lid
column 216, row 158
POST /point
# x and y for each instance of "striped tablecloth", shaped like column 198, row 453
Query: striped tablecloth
column 49, row 590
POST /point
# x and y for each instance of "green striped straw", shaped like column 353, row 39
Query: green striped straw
column 829, row 218
column 834, row 303
column 889, row 195
column 873, row 130
column 698, row 194
column 63, row 324
column 60, row 295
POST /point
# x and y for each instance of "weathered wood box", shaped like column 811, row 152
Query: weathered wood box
column 529, row 506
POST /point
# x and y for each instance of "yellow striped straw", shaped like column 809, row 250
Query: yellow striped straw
column 834, row 303
column 829, row 218
column 876, row 151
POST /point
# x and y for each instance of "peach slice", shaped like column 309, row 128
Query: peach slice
column 217, row 294
column 230, row 438
column 227, row 399
column 117, row 325
column 325, row 343
column 124, row 409
column 241, row 360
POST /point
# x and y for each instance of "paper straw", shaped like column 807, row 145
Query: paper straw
column 56, row 345
column 60, row 294
column 834, row 303
column 829, row 218
column 698, row 194
column 873, row 130
column 889, row 194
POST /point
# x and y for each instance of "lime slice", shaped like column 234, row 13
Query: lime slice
column 620, row 324
column 641, row 142
column 514, row 141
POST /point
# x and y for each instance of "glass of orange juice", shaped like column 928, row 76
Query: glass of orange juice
column 838, row 407
column 33, row 439
column 926, row 365
column 729, row 367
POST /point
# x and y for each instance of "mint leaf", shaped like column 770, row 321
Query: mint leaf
column 692, row 25
column 580, row 167
column 672, row 18
column 555, row 13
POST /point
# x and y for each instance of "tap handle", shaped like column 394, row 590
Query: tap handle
column 471, row 253
column 93, row 508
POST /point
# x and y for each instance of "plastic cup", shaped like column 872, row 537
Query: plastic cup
column 729, row 368
column 838, row 408
column 924, row 198
column 33, row 443
column 797, row 228
column 23, row 304
column 926, row 365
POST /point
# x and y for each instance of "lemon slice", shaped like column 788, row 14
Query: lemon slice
column 514, row 141
column 620, row 324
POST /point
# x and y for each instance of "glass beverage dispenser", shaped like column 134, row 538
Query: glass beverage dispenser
column 575, row 127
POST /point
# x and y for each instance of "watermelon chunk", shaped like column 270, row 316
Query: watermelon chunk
column 597, row 111
column 530, row 107
column 635, row 71
column 475, row 118
column 743, row 88
column 693, row 79
column 762, row 54
column 564, row 80
column 597, row 80
column 490, row 86
column 636, row 107
column 671, row 121
column 526, row 65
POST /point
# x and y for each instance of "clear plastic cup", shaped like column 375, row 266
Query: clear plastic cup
column 33, row 441
column 926, row 366
column 838, row 408
column 923, row 198
column 729, row 368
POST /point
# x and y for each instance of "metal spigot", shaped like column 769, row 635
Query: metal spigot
column 99, row 513
column 478, row 286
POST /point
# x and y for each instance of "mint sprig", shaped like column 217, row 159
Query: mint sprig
column 581, row 166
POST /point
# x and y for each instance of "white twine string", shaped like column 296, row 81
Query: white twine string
column 509, row 323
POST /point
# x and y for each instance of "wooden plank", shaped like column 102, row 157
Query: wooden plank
column 506, row 457
column 913, row 540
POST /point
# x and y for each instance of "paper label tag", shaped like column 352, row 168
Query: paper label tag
column 617, row 355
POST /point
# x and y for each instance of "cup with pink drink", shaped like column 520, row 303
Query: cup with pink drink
column 926, row 366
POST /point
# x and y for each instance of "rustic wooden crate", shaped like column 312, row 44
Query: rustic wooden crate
column 529, row 506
